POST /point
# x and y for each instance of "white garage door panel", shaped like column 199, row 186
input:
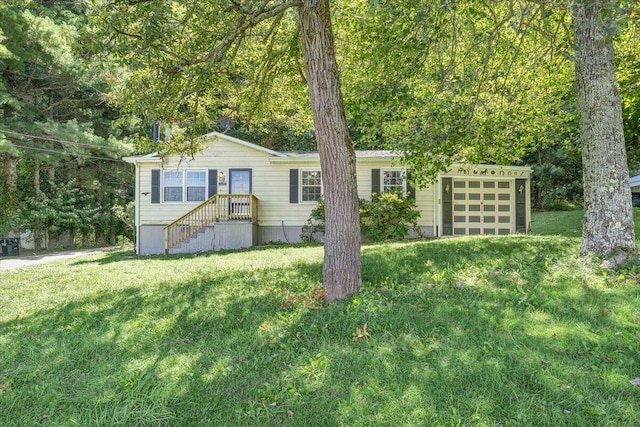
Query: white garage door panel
column 482, row 207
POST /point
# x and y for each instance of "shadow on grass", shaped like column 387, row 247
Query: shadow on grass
column 130, row 256
column 446, row 343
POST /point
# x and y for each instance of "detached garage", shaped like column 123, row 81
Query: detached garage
column 489, row 200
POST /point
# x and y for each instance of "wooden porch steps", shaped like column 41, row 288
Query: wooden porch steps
column 219, row 208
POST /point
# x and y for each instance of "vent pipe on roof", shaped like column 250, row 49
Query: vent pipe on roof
column 155, row 131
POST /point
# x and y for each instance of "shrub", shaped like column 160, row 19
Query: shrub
column 386, row 216
column 315, row 224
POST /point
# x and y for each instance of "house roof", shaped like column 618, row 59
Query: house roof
column 283, row 156
column 308, row 156
column 314, row 156
column 154, row 157
column 634, row 181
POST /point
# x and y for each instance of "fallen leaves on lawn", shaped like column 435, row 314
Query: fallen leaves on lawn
column 361, row 334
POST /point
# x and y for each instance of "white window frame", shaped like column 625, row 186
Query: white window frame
column 387, row 188
column 203, row 186
column 184, row 188
column 303, row 172
column 165, row 186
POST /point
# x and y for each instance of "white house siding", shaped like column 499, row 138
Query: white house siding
column 424, row 197
column 222, row 156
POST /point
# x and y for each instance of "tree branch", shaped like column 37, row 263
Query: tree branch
column 255, row 17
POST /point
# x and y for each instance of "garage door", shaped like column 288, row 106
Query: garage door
column 482, row 207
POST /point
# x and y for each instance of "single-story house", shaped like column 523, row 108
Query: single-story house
column 236, row 194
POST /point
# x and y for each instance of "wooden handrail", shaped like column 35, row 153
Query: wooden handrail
column 220, row 207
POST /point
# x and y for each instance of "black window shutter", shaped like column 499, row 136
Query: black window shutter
column 155, row 131
column 293, row 185
column 213, row 182
column 411, row 192
column 375, row 181
column 155, row 186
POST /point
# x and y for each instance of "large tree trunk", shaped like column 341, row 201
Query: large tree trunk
column 10, row 168
column 608, row 227
column 342, row 267
column 8, row 192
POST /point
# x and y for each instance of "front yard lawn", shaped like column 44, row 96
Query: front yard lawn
column 508, row 331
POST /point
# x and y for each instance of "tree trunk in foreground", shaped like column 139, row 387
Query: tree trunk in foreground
column 608, row 227
column 342, row 267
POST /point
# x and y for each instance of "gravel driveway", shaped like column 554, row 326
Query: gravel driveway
column 25, row 261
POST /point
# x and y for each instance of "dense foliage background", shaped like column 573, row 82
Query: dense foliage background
column 81, row 85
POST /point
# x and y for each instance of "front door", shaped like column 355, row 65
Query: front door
column 240, row 181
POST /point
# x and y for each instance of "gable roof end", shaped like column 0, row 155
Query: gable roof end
column 155, row 157
column 243, row 143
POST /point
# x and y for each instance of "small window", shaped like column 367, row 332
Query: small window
column 196, row 186
column 173, row 186
column 311, row 185
column 184, row 186
column 393, row 180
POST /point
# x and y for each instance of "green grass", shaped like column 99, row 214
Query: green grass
column 513, row 331
column 566, row 223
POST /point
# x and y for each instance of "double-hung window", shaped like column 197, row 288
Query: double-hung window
column 179, row 186
column 196, row 186
column 173, row 182
column 310, row 185
column 393, row 180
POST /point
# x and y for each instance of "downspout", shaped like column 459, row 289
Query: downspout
column 437, row 190
column 528, row 205
column 136, row 206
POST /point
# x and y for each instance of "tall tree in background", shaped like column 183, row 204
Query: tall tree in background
column 608, row 227
column 55, row 122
